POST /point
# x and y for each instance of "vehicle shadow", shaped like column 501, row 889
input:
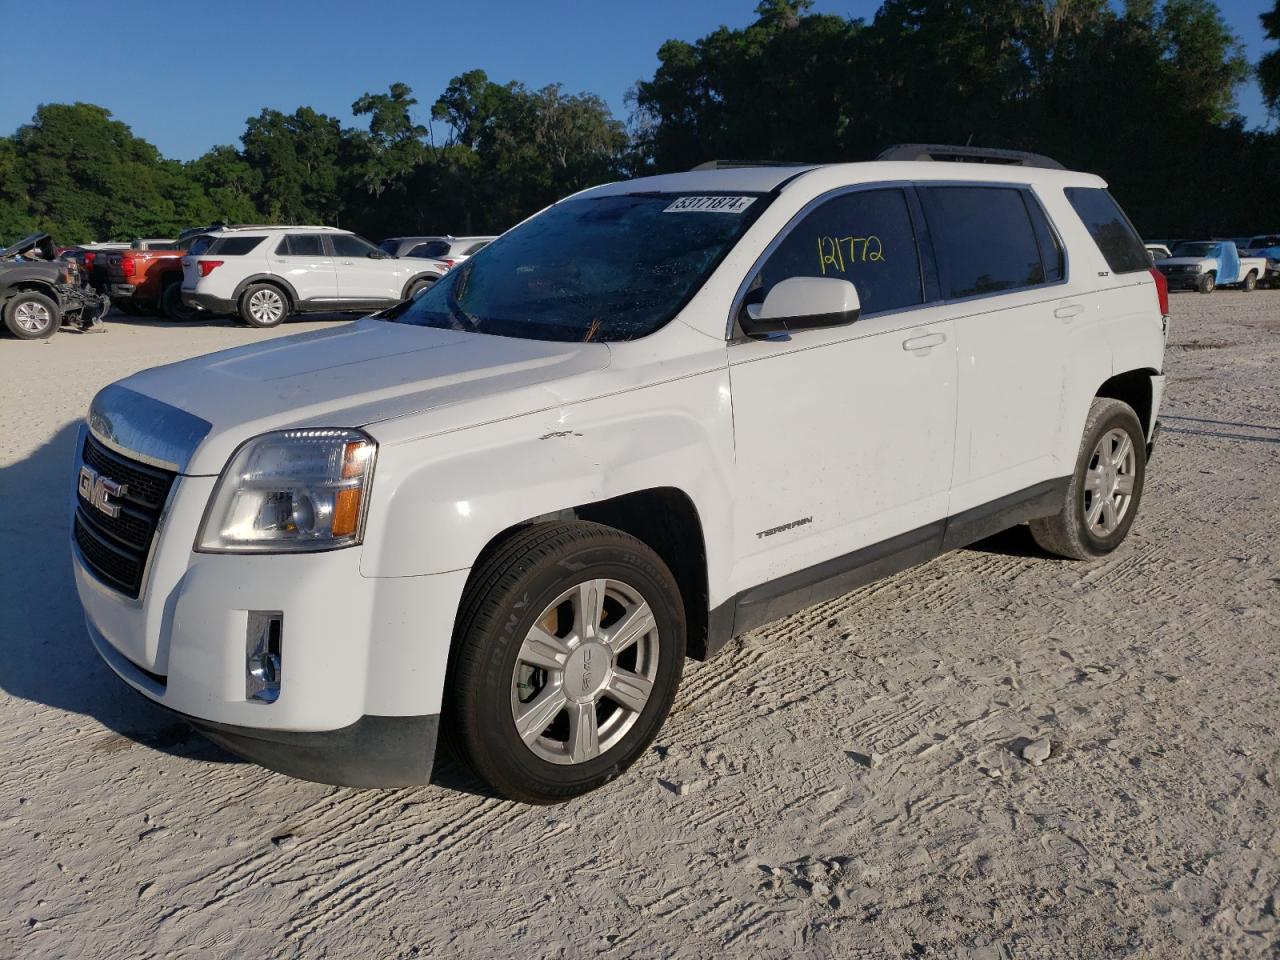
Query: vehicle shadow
column 47, row 657
column 45, row 653
column 1014, row 542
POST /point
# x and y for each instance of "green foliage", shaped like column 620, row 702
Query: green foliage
column 1142, row 92
column 1269, row 65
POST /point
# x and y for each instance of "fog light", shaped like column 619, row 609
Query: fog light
column 263, row 650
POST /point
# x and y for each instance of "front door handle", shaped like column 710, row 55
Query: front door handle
column 1067, row 311
column 924, row 343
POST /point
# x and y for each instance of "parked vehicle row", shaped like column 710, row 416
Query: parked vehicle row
column 1205, row 265
column 658, row 414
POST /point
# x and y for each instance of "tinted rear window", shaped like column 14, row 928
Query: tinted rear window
column 435, row 250
column 984, row 240
column 1111, row 230
column 232, row 246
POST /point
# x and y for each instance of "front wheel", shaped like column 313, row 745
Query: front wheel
column 569, row 647
column 1208, row 283
column 32, row 316
column 1105, row 489
column 264, row 305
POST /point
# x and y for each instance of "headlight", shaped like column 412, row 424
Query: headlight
column 291, row 491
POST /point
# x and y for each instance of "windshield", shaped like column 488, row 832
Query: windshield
column 596, row 269
column 1195, row 250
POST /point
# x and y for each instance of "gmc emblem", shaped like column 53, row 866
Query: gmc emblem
column 99, row 490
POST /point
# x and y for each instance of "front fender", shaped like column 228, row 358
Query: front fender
column 437, row 501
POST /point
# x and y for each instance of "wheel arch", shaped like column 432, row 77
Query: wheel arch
column 425, row 275
column 666, row 520
column 31, row 286
column 1134, row 388
column 274, row 279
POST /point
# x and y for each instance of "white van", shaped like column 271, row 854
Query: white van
column 655, row 415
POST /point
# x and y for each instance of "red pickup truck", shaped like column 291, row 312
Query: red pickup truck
column 148, row 277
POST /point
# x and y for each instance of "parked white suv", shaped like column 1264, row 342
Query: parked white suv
column 264, row 275
column 657, row 414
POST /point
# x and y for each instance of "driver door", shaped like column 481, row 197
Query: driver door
column 844, row 435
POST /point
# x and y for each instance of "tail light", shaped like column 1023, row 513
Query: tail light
column 127, row 265
column 1162, row 291
column 448, row 264
column 207, row 267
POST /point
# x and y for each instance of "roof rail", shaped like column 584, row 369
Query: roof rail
column 738, row 164
column 954, row 154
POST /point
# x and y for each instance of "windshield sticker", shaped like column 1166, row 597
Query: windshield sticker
column 710, row 205
column 861, row 250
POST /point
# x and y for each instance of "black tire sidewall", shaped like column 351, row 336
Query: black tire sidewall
column 1208, row 284
column 417, row 286
column 171, row 304
column 1123, row 418
column 488, row 729
column 25, row 296
column 247, row 317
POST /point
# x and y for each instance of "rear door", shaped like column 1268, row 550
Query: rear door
column 1001, row 270
column 366, row 277
column 302, row 259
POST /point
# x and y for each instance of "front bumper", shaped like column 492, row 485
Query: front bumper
column 373, row 751
column 208, row 303
column 1183, row 281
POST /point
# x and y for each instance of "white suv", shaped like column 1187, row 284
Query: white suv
column 265, row 274
column 657, row 414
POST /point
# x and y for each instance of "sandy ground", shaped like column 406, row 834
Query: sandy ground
column 759, row 825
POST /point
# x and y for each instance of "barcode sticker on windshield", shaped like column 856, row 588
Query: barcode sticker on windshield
column 710, row 205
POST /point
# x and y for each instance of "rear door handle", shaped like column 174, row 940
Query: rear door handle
column 1068, row 310
column 925, row 342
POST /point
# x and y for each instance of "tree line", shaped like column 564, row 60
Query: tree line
column 1143, row 94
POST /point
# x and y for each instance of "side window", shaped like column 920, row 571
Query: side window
column 476, row 247
column 1051, row 255
column 983, row 238
column 1111, row 230
column 432, row 249
column 865, row 237
column 304, row 245
column 349, row 245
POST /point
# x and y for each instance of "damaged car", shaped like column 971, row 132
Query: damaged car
column 39, row 292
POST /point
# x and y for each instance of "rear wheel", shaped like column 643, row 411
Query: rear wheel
column 418, row 286
column 32, row 316
column 1250, row 283
column 1105, row 489
column 264, row 305
column 569, row 648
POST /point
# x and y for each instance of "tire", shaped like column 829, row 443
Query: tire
column 264, row 305
column 1250, row 282
column 1208, row 283
column 418, row 286
column 538, row 579
column 32, row 316
column 1070, row 533
column 171, row 304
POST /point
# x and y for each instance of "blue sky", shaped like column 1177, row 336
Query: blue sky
column 186, row 75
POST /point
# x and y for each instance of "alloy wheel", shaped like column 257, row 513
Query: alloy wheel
column 585, row 671
column 1108, row 483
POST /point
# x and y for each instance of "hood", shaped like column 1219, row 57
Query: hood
column 39, row 241
column 1183, row 261
column 353, row 376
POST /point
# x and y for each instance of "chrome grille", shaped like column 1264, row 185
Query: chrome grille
column 116, row 548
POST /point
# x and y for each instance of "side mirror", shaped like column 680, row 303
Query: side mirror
column 802, row 303
column 376, row 255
